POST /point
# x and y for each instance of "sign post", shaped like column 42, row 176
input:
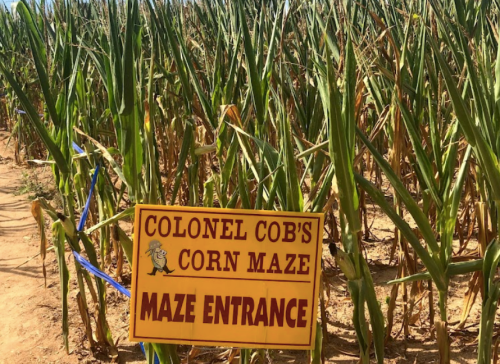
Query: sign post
column 221, row 277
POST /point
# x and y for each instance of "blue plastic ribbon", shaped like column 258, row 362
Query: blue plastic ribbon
column 22, row 112
column 85, row 212
column 84, row 262
column 77, row 148
column 99, row 273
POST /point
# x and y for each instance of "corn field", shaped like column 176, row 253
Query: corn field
column 298, row 105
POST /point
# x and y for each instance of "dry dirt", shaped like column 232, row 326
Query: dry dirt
column 30, row 328
column 30, row 323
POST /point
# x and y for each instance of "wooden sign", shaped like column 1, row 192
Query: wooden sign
column 221, row 277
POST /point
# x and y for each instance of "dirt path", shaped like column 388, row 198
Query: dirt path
column 30, row 331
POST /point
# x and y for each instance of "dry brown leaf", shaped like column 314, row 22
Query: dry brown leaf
column 36, row 211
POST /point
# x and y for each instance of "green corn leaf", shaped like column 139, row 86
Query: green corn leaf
column 358, row 318
column 294, row 193
column 40, row 128
column 185, row 149
column 255, row 80
column 376, row 316
column 166, row 28
column 227, row 170
column 321, row 198
column 340, row 153
column 205, row 104
column 231, row 78
column 58, row 240
column 120, row 216
column 488, row 160
column 490, row 302
column 453, row 269
column 126, row 243
column 424, row 164
column 128, row 91
column 436, row 272
column 453, row 202
column 349, row 99
column 243, row 186
column 167, row 353
column 39, row 56
column 131, row 150
column 417, row 214
column 271, row 156
column 208, row 193
column 150, row 353
column 318, row 345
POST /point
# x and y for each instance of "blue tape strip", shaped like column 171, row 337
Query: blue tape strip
column 77, row 148
column 85, row 212
column 84, row 262
column 98, row 273
column 22, row 112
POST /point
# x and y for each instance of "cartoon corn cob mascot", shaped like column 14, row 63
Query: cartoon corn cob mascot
column 158, row 257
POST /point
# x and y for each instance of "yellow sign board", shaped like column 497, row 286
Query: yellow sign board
column 221, row 277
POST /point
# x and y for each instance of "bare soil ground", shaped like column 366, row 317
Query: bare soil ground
column 30, row 315
column 30, row 329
